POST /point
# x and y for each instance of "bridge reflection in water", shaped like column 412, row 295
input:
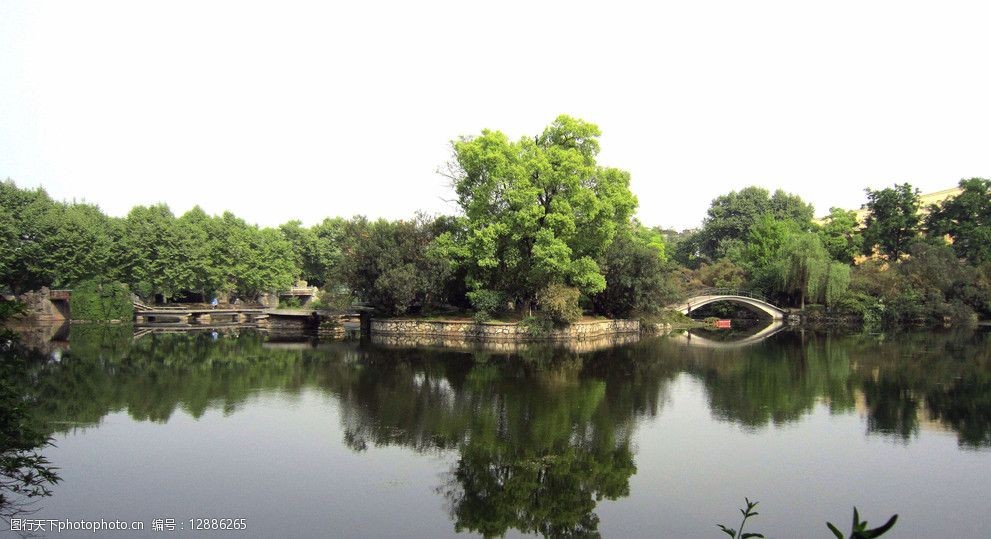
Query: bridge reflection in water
column 695, row 339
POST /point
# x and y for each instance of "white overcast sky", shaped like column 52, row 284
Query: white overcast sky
column 301, row 110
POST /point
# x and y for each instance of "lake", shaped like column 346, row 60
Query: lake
column 661, row 438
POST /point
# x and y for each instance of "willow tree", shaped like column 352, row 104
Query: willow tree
column 804, row 266
column 538, row 211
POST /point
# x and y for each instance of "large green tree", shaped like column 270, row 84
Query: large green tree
column 762, row 251
column 538, row 211
column 966, row 219
column 893, row 220
column 153, row 252
column 730, row 217
column 203, row 268
column 841, row 235
column 392, row 264
column 254, row 260
column 24, row 264
column 320, row 267
column 636, row 274
column 47, row 243
column 316, row 250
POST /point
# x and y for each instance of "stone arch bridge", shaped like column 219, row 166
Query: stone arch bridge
column 707, row 296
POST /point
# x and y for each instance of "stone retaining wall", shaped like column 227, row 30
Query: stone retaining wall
column 502, row 346
column 499, row 330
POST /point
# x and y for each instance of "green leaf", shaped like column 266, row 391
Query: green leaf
column 728, row 531
column 876, row 532
column 752, row 535
column 834, row 530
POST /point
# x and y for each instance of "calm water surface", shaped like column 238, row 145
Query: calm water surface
column 662, row 438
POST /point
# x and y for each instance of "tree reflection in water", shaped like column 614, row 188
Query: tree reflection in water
column 25, row 473
column 542, row 436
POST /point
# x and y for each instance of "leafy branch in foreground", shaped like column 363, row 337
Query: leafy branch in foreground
column 747, row 513
column 859, row 529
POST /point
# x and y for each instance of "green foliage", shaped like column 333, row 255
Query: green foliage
column 200, row 238
column 836, row 283
column 966, row 219
column 668, row 316
column 25, row 473
column 10, row 309
column 334, row 299
column 316, row 250
column 393, row 265
column 721, row 274
column 47, row 243
column 559, row 303
column 151, row 251
column 487, row 303
column 764, row 241
column 841, row 235
column 636, row 275
column 804, row 267
column 930, row 286
column 892, row 221
column 101, row 301
column 537, row 326
column 253, row 260
column 159, row 254
column 57, row 244
column 537, row 211
column 23, row 263
column 859, row 530
column 731, row 216
column 747, row 513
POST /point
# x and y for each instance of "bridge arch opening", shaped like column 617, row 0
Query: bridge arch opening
column 709, row 297
column 728, row 309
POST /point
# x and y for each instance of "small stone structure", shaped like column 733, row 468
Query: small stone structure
column 269, row 300
column 302, row 291
column 466, row 329
column 44, row 306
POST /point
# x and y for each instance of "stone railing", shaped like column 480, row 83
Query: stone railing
column 466, row 329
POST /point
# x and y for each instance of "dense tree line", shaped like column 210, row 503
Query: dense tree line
column 544, row 231
column 56, row 244
column 902, row 264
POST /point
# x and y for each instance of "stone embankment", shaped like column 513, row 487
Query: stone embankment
column 466, row 329
column 502, row 346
